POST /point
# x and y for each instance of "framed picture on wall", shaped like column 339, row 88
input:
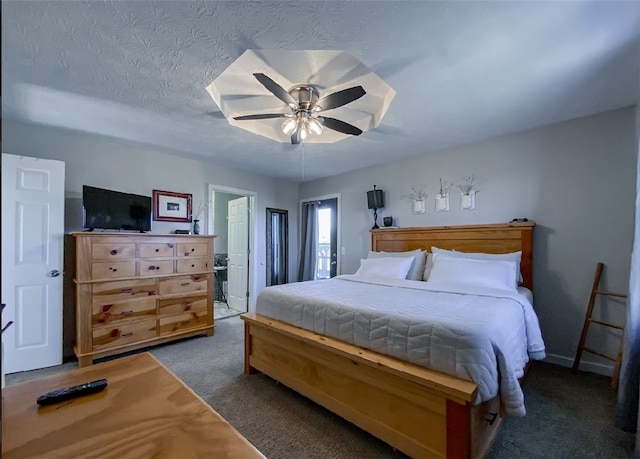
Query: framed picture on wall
column 171, row 207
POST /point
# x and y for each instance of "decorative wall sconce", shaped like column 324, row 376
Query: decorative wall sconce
column 468, row 193
column 442, row 198
column 468, row 201
column 418, row 200
column 375, row 201
column 418, row 206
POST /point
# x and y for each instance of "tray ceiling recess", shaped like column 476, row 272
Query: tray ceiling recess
column 261, row 93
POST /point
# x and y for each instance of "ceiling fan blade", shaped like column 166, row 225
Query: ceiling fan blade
column 262, row 116
column 340, row 126
column 340, row 98
column 276, row 89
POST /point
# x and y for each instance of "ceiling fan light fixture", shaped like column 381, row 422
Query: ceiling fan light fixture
column 289, row 126
column 315, row 126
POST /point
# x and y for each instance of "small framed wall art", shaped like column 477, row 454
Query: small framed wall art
column 171, row 207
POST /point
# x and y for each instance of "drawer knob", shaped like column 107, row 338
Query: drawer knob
column 492, row 418
column 184, row 284
column 157, row 250
column 152, row 268
column 185, row 322
column 193, row 250
column 114, row 252
column 126, row 313
column 193, row 266
column 127, row 334
column 126, row 290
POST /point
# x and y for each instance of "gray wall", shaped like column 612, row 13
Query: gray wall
column 576, row 180
column 100, row 162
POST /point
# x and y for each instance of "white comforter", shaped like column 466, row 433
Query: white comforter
column 485, row 336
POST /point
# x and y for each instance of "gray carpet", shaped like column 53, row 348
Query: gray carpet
column 222, row 309
column 569, row 416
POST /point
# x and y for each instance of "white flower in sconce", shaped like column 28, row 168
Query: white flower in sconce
column 442, row 198
column 468, row 193
column 418, row 197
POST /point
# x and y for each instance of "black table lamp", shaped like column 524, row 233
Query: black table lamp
column 375, row 201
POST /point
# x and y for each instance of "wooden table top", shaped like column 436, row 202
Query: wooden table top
column 145, row 411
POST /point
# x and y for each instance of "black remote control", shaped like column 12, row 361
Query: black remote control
column 67, row 393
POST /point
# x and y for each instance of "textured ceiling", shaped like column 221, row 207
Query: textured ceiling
column 463, row 71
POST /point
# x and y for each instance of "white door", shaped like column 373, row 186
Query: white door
column 238, row 253
column 32, row 241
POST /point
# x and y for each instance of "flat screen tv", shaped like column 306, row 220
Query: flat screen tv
column 114, row 210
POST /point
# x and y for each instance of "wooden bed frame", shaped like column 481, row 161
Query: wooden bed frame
column 421, row 412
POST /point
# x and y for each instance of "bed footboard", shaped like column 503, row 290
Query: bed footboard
column 421, row 412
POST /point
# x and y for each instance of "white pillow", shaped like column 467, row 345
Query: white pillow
column 417, row 267
column 389, row 268
column 451, row 273
column 513, row 256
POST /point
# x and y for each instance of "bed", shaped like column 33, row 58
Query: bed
column 418, row 410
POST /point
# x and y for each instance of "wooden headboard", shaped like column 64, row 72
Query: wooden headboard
column 494, row 238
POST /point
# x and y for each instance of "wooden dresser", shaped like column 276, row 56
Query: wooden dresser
column 137, row 290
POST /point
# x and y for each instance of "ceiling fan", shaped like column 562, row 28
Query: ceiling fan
column 305, row 103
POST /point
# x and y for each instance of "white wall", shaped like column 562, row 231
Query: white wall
column 97, row 161
column 575, row 179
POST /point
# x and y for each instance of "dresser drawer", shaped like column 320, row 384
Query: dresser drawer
column 194, row 265
column 154, row 268
column 150, row 250
column 113, row 251
column 103, row 314
column 173, row 306
column 109, row 292
column 182, row 322
column 135, row 331
column 192, row 250
column 113, row 270
column 183, row 284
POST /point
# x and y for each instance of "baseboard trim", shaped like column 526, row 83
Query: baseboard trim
column 585, row 365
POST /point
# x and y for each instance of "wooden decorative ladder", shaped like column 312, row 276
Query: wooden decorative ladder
column 595, row 291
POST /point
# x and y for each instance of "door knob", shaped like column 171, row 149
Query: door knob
column 54, row 273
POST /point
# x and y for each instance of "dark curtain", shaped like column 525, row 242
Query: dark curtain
column 308, row 241
column 629, row 388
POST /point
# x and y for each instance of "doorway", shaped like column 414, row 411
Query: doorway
column 327, row 246
column 320, row 238
column 231, row 220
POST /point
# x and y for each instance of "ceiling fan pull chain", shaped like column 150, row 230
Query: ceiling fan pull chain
column 303, row 161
